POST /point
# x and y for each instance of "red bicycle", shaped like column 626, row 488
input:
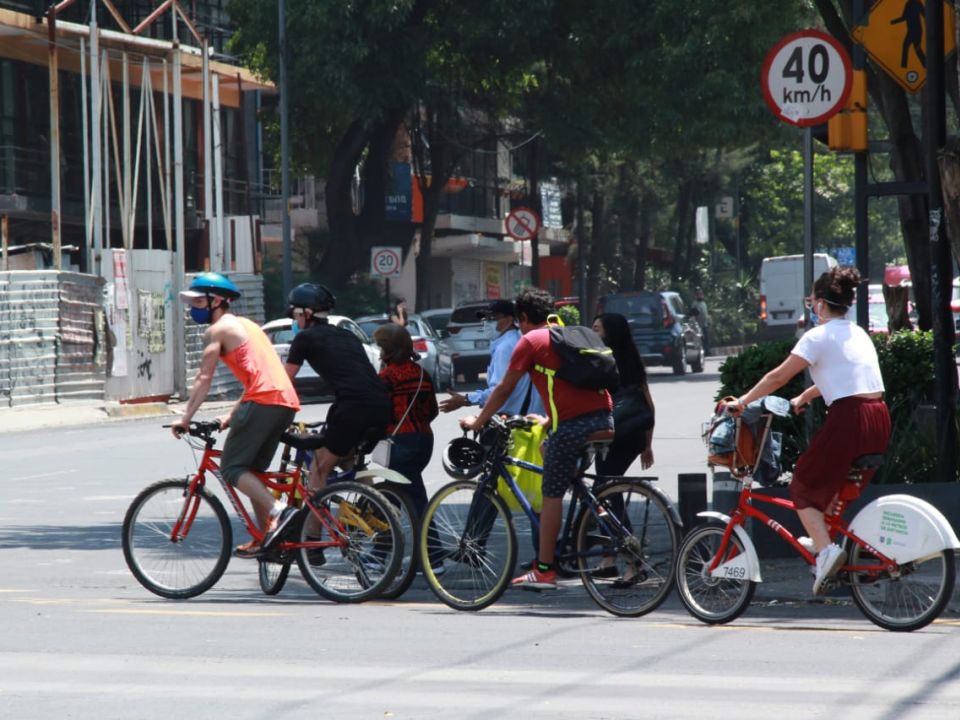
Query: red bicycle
column 900, row 549
column 346, row 539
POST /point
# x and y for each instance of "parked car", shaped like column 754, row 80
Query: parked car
column 435, row 356
column 469, row 344
column 438, row 318
column 307, row 383
column 663, row 330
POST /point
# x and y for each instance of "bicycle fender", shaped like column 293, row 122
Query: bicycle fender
column 904, row 528
column 745, row 566
column 674, row 513
column 382, row 474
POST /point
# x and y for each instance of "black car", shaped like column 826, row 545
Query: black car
column 663, row 329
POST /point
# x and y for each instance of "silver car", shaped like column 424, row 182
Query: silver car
column 434, row 353
column 468, row 342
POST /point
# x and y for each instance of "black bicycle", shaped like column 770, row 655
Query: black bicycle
column 620, row 534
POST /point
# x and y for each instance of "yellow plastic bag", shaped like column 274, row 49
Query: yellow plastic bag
column 525, row 445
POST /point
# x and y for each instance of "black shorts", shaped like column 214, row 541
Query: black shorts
column 348, row 424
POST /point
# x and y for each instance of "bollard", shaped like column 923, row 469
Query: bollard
column 692, row 488
column 726, row 491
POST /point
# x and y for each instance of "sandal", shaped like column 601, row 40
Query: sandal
column 251, row 549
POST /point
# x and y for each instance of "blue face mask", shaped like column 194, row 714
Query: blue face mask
column 201, row 316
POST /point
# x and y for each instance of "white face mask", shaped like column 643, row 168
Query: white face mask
column 489, row 329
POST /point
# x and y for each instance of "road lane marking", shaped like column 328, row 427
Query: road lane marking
column 43, row 475
column 196, row 613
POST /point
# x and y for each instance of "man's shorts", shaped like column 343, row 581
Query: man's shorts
column 254, row 435
column 854, row 427
column 349, row 424
column 565, row 446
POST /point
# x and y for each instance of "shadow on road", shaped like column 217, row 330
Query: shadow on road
column 61, row 537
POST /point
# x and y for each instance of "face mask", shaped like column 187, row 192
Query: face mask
column 201, row 316
column 488, row 328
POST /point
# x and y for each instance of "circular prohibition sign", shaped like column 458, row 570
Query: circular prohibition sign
column 806, row 78
column 386, row 262
column 522, row 223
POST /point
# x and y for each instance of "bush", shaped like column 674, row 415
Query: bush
column 569, row 314
column 906, row 363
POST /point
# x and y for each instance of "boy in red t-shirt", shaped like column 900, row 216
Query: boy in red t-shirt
column 580, row 413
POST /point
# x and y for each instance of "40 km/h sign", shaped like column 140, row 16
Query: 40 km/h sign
column 806, row 78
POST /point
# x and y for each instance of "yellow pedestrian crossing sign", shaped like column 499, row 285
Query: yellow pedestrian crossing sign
column 895, row 38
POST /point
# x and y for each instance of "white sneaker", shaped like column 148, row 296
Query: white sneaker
column 829, row 560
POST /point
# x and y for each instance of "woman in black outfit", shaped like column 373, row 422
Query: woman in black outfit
column 615, row 331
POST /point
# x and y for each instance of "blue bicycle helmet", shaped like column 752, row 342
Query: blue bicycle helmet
column 211, row 283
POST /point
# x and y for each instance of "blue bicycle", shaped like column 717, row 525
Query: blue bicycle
column 620, row 535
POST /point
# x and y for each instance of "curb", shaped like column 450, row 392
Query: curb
column 133, row 410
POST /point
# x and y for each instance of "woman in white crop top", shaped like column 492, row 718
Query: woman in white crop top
column 845, row 371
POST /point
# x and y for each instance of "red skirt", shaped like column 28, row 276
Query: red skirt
column 854, row 427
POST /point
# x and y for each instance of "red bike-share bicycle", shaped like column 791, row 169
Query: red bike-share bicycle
column 346, row 539
column 900, row 568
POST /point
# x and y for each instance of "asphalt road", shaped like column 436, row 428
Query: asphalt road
column 79, row 638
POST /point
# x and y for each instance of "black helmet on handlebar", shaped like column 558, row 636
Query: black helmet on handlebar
column 463, row 458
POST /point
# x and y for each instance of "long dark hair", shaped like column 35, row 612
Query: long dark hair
column 616, row 334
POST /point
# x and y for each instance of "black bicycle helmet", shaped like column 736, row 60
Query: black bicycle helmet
column 463, row 458
column 313, row 296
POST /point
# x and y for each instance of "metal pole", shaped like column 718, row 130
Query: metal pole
column 5, row 241
column 941, row 271
column 220, row 238
column 54, row 137
column 860, row 199
column 808, row 227
column 96, row 180
column 126, row 192
column 581, row 255
column 85, row 264
column 285, row 155
column 179, row 354
column 208, row 164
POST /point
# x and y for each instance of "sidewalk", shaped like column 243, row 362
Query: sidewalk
column 83, row 413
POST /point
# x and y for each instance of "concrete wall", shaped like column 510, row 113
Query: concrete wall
column 52, row 344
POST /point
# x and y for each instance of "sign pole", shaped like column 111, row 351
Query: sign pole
column 386, row 295
column 941, row 272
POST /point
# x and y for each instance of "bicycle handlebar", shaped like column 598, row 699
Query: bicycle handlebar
column 201, row 428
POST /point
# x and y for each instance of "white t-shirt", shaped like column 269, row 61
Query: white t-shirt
column 843, row 361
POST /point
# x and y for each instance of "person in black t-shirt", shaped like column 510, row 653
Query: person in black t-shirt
column 362, row 403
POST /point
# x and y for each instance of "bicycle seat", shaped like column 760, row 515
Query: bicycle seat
column 867, row 462
column 303, row 440
column 600, row 436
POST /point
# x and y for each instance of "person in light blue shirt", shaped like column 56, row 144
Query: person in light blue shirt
column 522, row 401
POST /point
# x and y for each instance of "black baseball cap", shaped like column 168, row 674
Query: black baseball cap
column 498, row 307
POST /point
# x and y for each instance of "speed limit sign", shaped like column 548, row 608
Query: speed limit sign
column 806, row 78
column 386, row 261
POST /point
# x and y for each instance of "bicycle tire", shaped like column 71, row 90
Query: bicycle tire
column 902, row 604
column 369, row 545
column 398, row 495
column 476, row 555
column 182, row 569
column 644, row 561
column 711, row 600
column 273, row 575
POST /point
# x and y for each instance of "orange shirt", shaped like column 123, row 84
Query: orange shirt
column 258, row 368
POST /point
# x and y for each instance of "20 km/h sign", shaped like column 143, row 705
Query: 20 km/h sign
column 386, row 261
column 806, row 78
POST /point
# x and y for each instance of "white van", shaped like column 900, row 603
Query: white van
column 781, row 292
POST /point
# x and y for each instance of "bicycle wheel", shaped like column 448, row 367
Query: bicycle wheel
column 710, row 599
column 629, row 571
column 364, row 543
column 468, row 545
column 188, row 565
column 908, row 602
column 400, row 499
column 273, row 576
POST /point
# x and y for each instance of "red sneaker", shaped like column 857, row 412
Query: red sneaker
column 536, row 580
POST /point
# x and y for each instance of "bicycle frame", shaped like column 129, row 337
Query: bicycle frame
column 835, row 524
column 287, row 482
column 582, row 496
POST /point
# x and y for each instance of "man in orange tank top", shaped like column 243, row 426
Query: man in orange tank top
column 264, row 411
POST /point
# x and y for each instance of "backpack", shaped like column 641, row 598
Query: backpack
column 585, row 362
